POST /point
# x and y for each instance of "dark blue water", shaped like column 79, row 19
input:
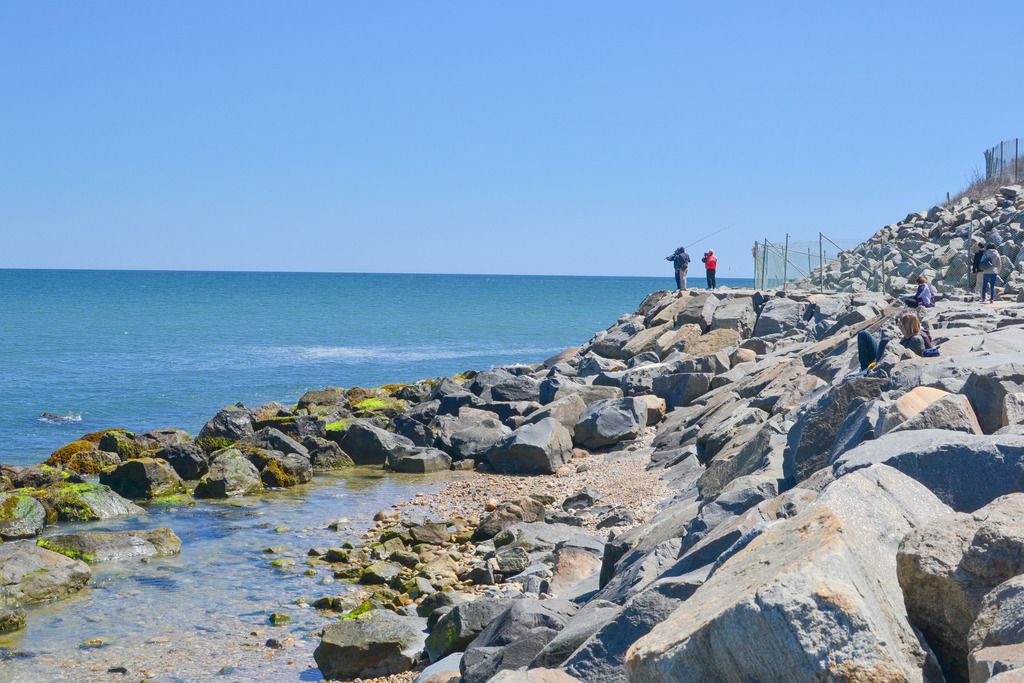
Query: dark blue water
column 143, row 350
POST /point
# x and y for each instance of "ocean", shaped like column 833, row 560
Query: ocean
column 148, row 349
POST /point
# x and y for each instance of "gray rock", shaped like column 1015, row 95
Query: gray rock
column 587, row 392
column 230, row 423
column 457, row 629
column 533, row 676
column 778, row 316
column 947, row 567
column 589, row 620
column 966, row 472
column 34, row 574
column 377, row 643
column 85, row 502
column 951, row 412
column 21, row 516
column 231, row 474
column 815, row 429
column 514, row 638
column 516, row 389
column 420, row 461
column 810, row 598
column 326, row 455
column 605, row 423
column 368, row 444
column 1000, row 621
column 114, row 546
column 737, row 497
column 566, row 410
column 187, row 459
column 475, row 432
column 988, row 391
column 681, row 389
column 737, row 314
column 538, row 448
column 272, row 439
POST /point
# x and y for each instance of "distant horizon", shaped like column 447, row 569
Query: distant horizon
column 344, row 272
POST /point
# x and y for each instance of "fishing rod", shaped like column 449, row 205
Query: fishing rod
column 697, row 241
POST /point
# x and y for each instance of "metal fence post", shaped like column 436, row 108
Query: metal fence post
column 764, row 265
column 785, row 264
column 821, row 264
column 968, row 246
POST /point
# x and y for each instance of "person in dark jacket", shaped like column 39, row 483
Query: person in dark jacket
column 990, row 264
column 976, row 267
column 681, row 260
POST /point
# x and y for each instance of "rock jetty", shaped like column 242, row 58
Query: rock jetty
column 798, row 518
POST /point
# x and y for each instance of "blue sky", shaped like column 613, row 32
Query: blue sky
column 479, row 137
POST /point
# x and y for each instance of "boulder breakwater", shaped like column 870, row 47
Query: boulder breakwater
column 711, row 489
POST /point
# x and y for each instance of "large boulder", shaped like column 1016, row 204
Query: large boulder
column 284, row 470
column 368, row 444
column 34, row 574
column 114, row 546
column 514, row 638
column 778, row 316
column 605, row 423
column 814, row 431
column 991, row 392
column 710, row 342
column 965, row 471
column 187, row 459
column 952, row 412
column 231, row 474
column 474, row 432
column 21, row 516
column 946, row 568
column 811, row 598
column 271, row 439
column 376, row 643
column 538, row 448
column 143, row 478
column 420, row 461
column 681, row 389
column 566, row 410
column 998, row 631
column 736, row 314
column 458, row 627
column 84, row 502
column 326, row 455
column 230, row 424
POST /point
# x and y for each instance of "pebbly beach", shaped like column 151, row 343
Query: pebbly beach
column 715, row 487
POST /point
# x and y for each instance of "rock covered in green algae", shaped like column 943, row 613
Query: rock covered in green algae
column 82, row 502
column 108, row 546
column 143, row 478
column 21, row 516
column 34, row 574
column 231, row 474
column 82, row 457
column 12, row 614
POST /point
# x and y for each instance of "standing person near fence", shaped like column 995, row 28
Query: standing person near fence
column 681, row 260
column 979, row 249
column 711, row 265
column 990, row 264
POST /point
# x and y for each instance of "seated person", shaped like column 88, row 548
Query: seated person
column 914, row 338
column 924, row 296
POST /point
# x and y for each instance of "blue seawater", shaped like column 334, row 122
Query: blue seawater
column 149, row 349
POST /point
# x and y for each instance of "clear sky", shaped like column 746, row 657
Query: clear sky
column 484, row 137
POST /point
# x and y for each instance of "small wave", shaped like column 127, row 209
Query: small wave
column 363, row 354
column 53, row 418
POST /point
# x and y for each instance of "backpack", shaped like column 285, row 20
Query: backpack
column 681, row 259
column 986, row 261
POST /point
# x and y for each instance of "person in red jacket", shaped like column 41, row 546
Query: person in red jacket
column 711, row 264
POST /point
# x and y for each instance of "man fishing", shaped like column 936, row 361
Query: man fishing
column 681, row 260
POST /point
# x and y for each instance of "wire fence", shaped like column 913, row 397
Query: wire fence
column 827, row 265
column 1004, row 159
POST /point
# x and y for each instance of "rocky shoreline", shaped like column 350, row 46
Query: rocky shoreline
column 709, row 489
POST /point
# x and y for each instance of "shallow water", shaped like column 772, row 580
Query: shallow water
column 188, row 617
